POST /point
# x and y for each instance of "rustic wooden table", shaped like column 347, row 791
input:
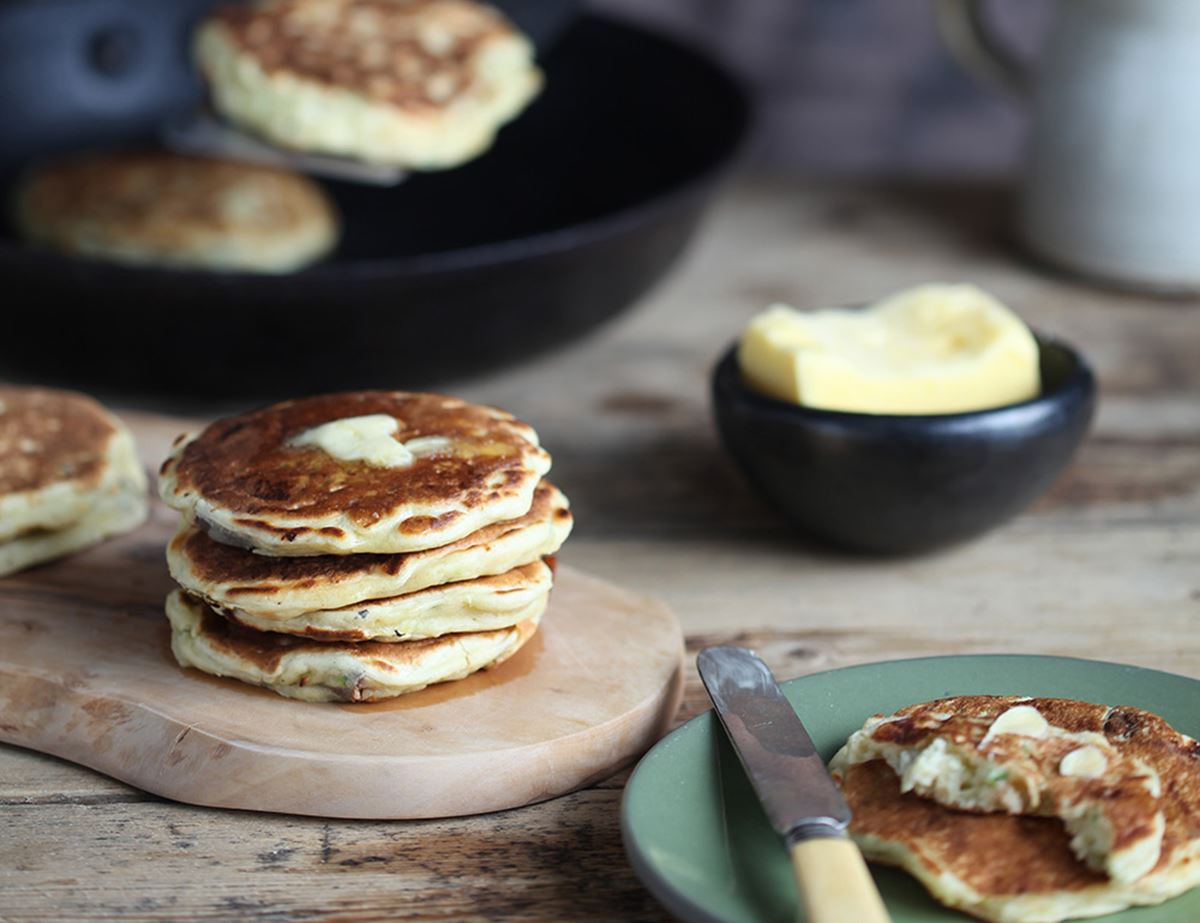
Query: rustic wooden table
column 1106, row 566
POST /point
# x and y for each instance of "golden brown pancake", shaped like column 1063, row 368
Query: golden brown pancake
column 69, row 476
column 166, row 209
column 244, row 481
column 241, row 582
column 51, row 437
column 478, row 604
column 979, row 863
column 419, row 83
column 1006, row 868
column 1013, row 754
column 323, row 671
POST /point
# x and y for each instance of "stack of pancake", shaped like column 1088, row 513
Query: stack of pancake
column 352, row 547
column 69, row 476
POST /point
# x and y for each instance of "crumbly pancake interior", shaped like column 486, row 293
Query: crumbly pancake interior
column 1007, row 753
column 1011, row 867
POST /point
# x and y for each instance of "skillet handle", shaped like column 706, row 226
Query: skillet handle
column 835, row 885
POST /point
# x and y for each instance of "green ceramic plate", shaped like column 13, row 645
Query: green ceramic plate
column 699, row 841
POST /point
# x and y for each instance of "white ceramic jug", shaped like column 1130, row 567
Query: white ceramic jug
column 1112, row 187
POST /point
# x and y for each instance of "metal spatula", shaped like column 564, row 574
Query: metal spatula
column 200, row 132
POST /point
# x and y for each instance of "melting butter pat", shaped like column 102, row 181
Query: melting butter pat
column 1024, row 720
column 370, row 439
column 1087, row 762
column 928, row 350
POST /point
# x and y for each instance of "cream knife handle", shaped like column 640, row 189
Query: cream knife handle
column 835, row 885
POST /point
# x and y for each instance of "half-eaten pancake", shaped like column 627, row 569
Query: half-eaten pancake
column 1024, row 756
column 319, row 476
column 419, row 83
column 1021, row 869
column 324, row 671
column 996, row 867
column 254, row 587
column 482, row 604
column 161, row 209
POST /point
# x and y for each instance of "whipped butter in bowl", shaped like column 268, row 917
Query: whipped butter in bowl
column 922, row 419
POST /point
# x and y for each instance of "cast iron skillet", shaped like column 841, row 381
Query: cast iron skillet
column 581, row 206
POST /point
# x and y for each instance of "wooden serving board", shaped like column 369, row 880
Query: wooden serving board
column 86, row 673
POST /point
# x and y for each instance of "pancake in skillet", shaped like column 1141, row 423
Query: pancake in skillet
column 1010, row 868
column 69, row 476
column 258, row 589
column 323, row 671
column 161, row 209
column 1022, row 756
column 414, row 83
column 379, row 472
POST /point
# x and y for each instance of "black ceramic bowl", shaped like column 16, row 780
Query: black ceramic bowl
column 896, row 484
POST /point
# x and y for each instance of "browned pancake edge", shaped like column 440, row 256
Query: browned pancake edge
column 245, row 466
column 49, row 436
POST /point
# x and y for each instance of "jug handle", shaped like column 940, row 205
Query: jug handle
column 964, row 29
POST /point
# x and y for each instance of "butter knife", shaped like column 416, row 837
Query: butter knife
column 788, row 775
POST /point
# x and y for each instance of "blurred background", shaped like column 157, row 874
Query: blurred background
column 859, row 87
column 589, row 196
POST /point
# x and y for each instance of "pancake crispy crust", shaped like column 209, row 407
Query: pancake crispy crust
column 244, row 482
column 156, row 208
column 69, row 476
column 972, row 753
column 421, row 83
column 1022, row 869
column 258, row 589
column 322, row 671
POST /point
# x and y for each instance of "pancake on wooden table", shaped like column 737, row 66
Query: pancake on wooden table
column 323, row 671
column 1019, row 867
column 356, row 546
column 69, row 476
column 379, row 472
column 415, row 83
column 259, row 590
column 161, row 209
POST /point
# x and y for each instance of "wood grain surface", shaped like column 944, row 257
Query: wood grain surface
column 1107, row 565
column 86, row 673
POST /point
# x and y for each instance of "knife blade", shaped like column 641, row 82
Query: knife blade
column 798, row 796
column 773, row 745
